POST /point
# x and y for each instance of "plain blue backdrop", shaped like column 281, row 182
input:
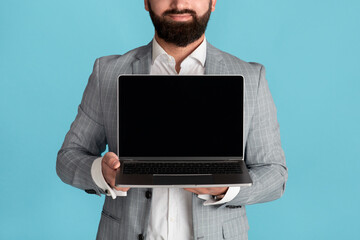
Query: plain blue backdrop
column 310, row 49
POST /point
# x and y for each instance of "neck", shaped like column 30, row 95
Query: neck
column 179, row 53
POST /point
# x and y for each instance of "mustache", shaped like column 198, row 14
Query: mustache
column 176, row 11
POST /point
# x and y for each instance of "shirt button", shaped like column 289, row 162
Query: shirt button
column 148, row 194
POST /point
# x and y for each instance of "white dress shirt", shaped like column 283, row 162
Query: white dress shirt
column 171, row 208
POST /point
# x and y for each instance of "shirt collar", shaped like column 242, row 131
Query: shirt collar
column 199, row 53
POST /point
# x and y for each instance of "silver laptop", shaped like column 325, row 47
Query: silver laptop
column 181, row 131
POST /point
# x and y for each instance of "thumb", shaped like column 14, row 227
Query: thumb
column 112, row 160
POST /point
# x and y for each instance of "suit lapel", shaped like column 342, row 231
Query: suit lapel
column 214, row 61
column 143, row 60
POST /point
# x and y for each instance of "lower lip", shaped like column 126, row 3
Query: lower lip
column 180, row 17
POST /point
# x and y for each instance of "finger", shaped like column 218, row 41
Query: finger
column 116, row 164
column 109, row 175
column 218, row 190
column 111, row 160
column 121, row 189
column 110, row 155
column 196, row 190
column 190, row 190
column 210, row 191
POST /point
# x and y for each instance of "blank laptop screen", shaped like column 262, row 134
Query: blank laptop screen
column 179, row 116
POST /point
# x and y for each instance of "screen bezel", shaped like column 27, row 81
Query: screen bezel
column 177, row 158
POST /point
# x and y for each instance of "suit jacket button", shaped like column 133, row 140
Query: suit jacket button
column 148, row 194
column 141, row 237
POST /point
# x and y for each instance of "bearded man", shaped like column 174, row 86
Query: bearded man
column 178, row 47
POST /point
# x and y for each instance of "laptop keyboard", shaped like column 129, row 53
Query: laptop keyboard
column 182, row 168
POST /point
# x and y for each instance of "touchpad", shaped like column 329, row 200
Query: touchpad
column 178, row 180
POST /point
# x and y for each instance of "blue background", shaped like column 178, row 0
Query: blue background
column 311, row 51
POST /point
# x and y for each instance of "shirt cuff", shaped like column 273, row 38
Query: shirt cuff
column 96, row 174
column 229, row 195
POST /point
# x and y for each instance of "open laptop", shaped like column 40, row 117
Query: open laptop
column 181, row 131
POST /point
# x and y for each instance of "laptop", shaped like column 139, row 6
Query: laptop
column 181, row 131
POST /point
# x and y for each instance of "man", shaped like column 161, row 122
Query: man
column 179, row 47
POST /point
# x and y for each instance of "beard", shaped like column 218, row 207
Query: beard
column 180, row 33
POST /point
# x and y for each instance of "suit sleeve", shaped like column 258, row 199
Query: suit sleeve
column 85, row 140
column 264, row 156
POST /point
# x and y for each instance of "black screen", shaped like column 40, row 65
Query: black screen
column 180, row 116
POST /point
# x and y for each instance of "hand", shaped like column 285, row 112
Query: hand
column 109, row 164
column 215, row 191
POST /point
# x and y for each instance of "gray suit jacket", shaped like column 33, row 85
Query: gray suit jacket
column 95, row 127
